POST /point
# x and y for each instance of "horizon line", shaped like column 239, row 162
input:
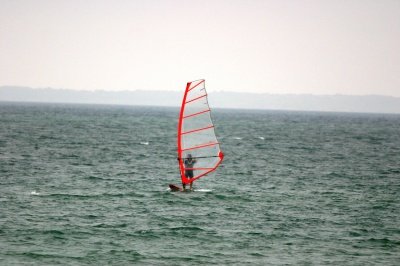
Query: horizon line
column 212, row 91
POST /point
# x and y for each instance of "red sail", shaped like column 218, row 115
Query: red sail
column 196, row 135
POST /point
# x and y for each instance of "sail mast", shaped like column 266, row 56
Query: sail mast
column 180, row 122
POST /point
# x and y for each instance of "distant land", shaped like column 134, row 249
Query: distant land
column 222, row 99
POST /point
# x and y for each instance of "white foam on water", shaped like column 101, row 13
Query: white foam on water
column 34, row 193
column 202, row 190
column 144, row 143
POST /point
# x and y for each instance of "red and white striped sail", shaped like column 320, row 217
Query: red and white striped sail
column 196, row 135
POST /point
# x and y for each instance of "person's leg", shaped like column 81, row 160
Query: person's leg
column 191, row 183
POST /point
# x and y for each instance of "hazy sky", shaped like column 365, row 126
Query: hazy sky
column 319, row 47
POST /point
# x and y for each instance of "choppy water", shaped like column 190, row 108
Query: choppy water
column 87, row 185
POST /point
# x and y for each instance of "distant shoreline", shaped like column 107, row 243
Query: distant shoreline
column 225, row 100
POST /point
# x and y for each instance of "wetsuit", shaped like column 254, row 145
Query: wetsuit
column 189, row 163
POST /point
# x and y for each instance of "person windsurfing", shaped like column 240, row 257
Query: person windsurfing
column 189, row 163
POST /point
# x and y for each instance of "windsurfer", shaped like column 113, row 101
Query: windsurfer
column 189, row 163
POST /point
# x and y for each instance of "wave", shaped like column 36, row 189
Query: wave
column 37, row 255
column 100, row 195
column 384, row 242
column 186, row 228
column 103, row 225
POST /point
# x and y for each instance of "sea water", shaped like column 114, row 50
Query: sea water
column 88, row 185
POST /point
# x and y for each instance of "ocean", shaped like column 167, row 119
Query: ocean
column 88, row 185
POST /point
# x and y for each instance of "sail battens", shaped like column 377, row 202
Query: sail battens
column 196, row 130
column 201, row 81
column 197, row 98
column 200, row 168
column 201, row 146
column 198, row 113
